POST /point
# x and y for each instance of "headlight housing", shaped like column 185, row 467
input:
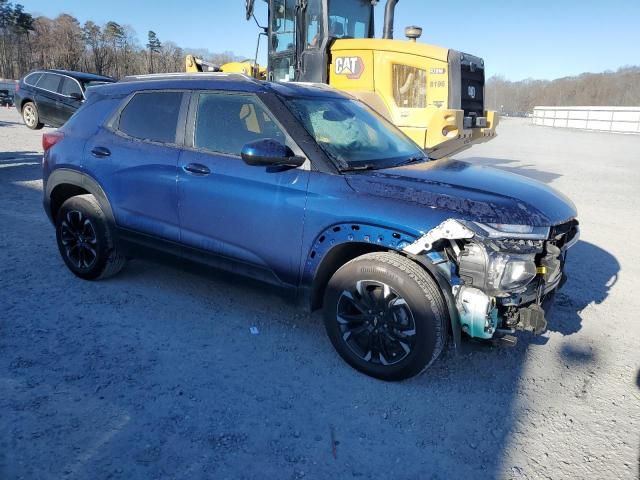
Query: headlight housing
column 495, row 273
column 505, row 230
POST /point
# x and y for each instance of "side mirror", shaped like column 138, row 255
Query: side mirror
column 76, row 96
column 270, row 153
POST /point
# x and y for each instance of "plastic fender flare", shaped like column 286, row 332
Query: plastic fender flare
column 67, row 176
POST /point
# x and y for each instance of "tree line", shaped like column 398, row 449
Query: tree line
column 112, row 49
column 615, row 89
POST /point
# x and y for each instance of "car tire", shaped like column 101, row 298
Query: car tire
column 385, row 316
column 86, row 239
column 30, row 116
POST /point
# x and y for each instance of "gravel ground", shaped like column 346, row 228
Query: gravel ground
column 155, row 374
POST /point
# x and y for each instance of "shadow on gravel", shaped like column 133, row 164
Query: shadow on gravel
column 591, row 272
column 525, row 170
column 8, row 156
column 5, row 123
column 156, row 371
column 20, row 166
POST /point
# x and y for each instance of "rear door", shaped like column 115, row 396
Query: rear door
column 135, row 158
column 70, row 100
column 46, row 98
column 252, row 215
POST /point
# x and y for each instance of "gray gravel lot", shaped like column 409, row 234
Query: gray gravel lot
column 155, row 374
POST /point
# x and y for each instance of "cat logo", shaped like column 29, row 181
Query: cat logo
column 351, row 67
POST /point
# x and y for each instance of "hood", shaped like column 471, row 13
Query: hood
column 470, row 192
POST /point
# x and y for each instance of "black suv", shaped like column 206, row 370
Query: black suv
column 50, row 97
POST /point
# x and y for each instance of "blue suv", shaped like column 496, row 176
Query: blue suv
column 307, row 188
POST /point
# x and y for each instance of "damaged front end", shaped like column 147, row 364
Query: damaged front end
column 502, row 277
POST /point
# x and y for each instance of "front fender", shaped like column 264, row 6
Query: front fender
column 345, row 233
column 382, row 237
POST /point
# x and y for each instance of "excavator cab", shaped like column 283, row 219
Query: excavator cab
column 300, row 36
column 434, row 94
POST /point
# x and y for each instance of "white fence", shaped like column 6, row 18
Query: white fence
column 603, row 119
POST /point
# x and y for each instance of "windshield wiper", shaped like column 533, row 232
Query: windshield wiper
column 361, row 168
column 411, row 160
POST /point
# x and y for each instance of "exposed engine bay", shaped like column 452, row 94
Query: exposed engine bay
column 503, row 277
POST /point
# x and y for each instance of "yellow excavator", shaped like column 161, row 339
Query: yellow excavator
column 434, row 94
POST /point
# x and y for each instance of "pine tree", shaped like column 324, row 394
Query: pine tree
column 154, row 46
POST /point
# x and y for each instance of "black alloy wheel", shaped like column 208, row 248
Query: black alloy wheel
column 78, row 235
column 376, row 322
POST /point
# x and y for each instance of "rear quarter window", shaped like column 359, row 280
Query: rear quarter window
column 49, row 81
column 32, row 78
column 151, row 116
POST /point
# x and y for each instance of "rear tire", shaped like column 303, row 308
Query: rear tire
column 31, row 117
column 385, row 316
column 86, row 239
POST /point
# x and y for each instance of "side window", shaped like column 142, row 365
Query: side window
column 313, row 17
column 32, row 78
column 70, row 86
column 152, row 116
column 283, row 26
column 226, row 123
column 49, row 81
column 409, row 86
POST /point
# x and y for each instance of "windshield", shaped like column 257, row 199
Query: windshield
column 350, row 18
column 352, row 135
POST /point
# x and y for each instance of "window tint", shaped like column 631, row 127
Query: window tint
column 283, row 26
column 152, row 116
column 32, row 78
column 69, row 86
column 49, row 81
column 226, row 123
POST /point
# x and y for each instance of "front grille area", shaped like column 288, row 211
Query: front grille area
column 564, row 233
column 472, row 86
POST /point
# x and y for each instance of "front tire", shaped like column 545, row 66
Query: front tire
column 31, row 117
column 385, row 316
column 86, row 239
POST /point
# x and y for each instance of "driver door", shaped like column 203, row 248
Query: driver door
column 252, row 215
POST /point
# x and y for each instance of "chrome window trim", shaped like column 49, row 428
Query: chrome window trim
column 37, row 72
column 77, row 82
column 59, row 75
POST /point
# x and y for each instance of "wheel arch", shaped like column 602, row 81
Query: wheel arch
column 342, row 243
column 26, row 100
column 63, row 184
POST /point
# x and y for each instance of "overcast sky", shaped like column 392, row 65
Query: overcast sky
column 518, row 39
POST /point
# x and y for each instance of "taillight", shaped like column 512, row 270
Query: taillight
column 50, row 139
column 17, row 87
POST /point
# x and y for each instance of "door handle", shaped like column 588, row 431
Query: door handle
column 100, row 152
column 196, row 169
